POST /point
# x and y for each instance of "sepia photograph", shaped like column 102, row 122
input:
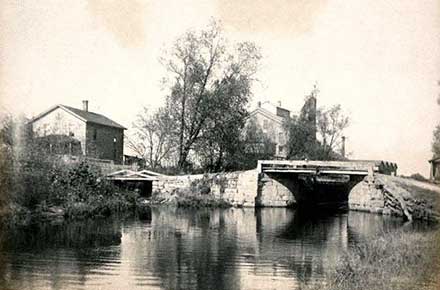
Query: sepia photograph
column 219, row 145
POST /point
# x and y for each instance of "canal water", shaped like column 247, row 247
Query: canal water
column 169, row 248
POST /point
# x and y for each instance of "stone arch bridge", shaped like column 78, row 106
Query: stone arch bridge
column 282, row 183
column 274, row 183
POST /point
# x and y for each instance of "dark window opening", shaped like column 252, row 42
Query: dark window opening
column 95, row 134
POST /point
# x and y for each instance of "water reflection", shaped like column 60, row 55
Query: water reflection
column 169, row 248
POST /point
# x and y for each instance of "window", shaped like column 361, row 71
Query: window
column 95, row 134
column 280, row 149
column 281, row 138
column 265, row 124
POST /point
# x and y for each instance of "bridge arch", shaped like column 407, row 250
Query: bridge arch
column 286, row 183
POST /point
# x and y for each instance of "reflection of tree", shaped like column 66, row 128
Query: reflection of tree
column 308, row 238
column 56, row 249
column 200, row 257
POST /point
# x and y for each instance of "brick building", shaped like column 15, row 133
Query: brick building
column 66, row 130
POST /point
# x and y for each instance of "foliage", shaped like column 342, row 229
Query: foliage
column 209, row 89
column 78, row 183
column 33, row 179
column 436, row 135
column 389, row 260
column 6, row 164
column 316, row 139
column 153, row 139
column 331, row 124
column 436, row 141
column 302, row 139
column 256, row 145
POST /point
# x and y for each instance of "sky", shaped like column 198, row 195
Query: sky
column 379, row 59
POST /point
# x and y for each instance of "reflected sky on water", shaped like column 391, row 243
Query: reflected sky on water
column 173, row 248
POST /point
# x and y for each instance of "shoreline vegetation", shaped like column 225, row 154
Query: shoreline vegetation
column 390, row 260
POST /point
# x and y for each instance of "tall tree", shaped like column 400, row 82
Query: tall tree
column 301, row 130
column 436, row 134
column 153, row 139
column 302, row 139
column 210, row 81
column 436, row 142
column 331, row 124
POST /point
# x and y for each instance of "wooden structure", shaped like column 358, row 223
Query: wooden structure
column 352, row 167
column 135, row 180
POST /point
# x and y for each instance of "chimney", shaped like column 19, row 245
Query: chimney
column 343, row 146
column 259, row 104
column 279, row 104
column 85, row 105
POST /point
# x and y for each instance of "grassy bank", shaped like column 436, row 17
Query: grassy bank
column 399, row 260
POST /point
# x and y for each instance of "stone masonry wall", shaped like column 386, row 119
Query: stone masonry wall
column 238, row 188
column 275, row 192
column 407, row 198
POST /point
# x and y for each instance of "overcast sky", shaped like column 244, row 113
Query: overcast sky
column 379, row 59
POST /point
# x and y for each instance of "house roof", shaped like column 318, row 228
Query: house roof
column 129, row 175
column 267, row 114
column 85, row 116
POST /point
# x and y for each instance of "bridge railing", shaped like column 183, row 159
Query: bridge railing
column 338, row 167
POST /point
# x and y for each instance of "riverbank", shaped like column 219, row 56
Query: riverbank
column 392, row 260
column 391, row 195
column 96, row 207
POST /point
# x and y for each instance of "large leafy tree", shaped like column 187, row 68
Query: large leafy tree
column 209, row 83
column 320, row 139
column 302, row 139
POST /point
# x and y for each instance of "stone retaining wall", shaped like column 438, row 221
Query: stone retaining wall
column 391, row 195
column 238, row 188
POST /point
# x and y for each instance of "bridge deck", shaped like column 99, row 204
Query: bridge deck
column 353, row 167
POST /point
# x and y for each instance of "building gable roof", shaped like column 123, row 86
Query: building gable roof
column 267, row 114
column 84, row 116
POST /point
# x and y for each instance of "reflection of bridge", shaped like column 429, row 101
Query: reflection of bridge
column 296, row 181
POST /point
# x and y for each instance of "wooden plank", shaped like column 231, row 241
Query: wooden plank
column 342, row 172
column 132, row 178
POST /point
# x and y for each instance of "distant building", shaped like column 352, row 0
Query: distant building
column 66, row 130
column 271, row 120
column 435, row 169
